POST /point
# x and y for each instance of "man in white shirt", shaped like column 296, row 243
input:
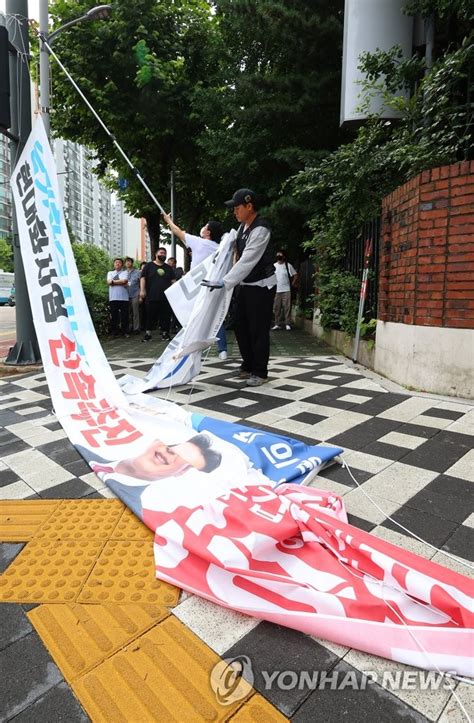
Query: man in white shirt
column 117, row 281
column 286, row 278
column 200, row 246
column 255, row 274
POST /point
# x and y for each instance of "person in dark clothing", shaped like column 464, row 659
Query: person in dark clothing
column 254, row 272
column 178, row 270
column 175, row 326
column 141, row 308
column 157, row 276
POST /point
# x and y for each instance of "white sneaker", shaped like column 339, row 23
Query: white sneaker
column 288, row 327
column 275, row 328
column 222, row 355
column 256, row 381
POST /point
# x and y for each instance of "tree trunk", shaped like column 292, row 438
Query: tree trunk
column 153, row 224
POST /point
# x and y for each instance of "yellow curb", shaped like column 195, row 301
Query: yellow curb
column 79, row 637
column 47, row 571
column 20, row 520
column 125, row 573
column 97, row 553
column 162, row 676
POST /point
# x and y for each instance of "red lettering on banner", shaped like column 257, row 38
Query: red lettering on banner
column 79, row 386
column 98, row 415
column 69, row 356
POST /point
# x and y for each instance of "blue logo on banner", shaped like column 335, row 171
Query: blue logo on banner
column 281, row 459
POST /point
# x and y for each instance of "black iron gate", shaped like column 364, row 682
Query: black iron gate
column 354, row 262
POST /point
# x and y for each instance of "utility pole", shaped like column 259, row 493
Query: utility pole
column 26, row 350
column 44, row 65
column 173, row 237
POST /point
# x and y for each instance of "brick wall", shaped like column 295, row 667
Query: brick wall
column 426, row 272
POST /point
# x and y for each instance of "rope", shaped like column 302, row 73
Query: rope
column 433, row 665
column 99, row 119
column 388, row 517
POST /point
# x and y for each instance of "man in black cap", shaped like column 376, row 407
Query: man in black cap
column 255, row 274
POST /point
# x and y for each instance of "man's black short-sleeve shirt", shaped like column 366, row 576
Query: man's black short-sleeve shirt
column 157, row 280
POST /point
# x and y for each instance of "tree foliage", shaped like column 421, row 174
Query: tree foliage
column 140, row 69
column 457, row 9
column 6, row 255
column 276, row 109
column 93, row 263
column 345, row 189
column 228, row 93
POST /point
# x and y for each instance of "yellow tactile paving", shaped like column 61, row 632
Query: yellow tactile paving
column 125, row 573
column 129, row 527
column 20, row 520
column 49, row 571
column 79, row 637
column 82, row 520
column 162, row 676
column 258, row 710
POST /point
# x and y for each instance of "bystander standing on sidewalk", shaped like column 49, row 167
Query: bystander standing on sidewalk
column 133, row 294
column 287, row 278
column 155, row 278
column 117, row 281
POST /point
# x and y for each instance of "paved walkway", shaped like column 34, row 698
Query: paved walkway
column 150, row 657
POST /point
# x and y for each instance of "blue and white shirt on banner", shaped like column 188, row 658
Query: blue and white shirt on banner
column 281, row 459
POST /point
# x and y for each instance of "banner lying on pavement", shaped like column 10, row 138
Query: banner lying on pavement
column 223, row 529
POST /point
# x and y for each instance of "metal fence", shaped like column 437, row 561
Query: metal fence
column 306, row 283
column 354, row 262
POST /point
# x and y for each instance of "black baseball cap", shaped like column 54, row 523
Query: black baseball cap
column 242, row 196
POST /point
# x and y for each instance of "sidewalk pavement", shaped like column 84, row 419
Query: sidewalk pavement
column 413, row 453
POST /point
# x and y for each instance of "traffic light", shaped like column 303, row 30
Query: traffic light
column 5, row 120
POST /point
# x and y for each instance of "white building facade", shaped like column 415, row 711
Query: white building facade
column 87, row 203
column 5, row 194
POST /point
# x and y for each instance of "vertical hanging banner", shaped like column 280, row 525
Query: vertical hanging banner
column 224, row 529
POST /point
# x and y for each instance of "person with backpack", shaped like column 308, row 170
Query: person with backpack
column 287, row 279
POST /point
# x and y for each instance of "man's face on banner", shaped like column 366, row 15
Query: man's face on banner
column 160, row 460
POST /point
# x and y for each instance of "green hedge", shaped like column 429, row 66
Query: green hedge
column 93, row 263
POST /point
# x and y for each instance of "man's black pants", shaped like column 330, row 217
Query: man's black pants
column 252, row 321
column 119, row 317
column 158, row 311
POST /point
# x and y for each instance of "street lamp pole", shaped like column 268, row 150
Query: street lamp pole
column 96, row 13
column 26, row 350
column 173, row 209
column 44, row 66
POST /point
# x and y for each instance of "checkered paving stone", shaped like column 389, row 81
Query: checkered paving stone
column 413, row 454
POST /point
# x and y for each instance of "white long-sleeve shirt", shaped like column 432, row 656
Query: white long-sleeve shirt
column 251, row 255
column 201, row 248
